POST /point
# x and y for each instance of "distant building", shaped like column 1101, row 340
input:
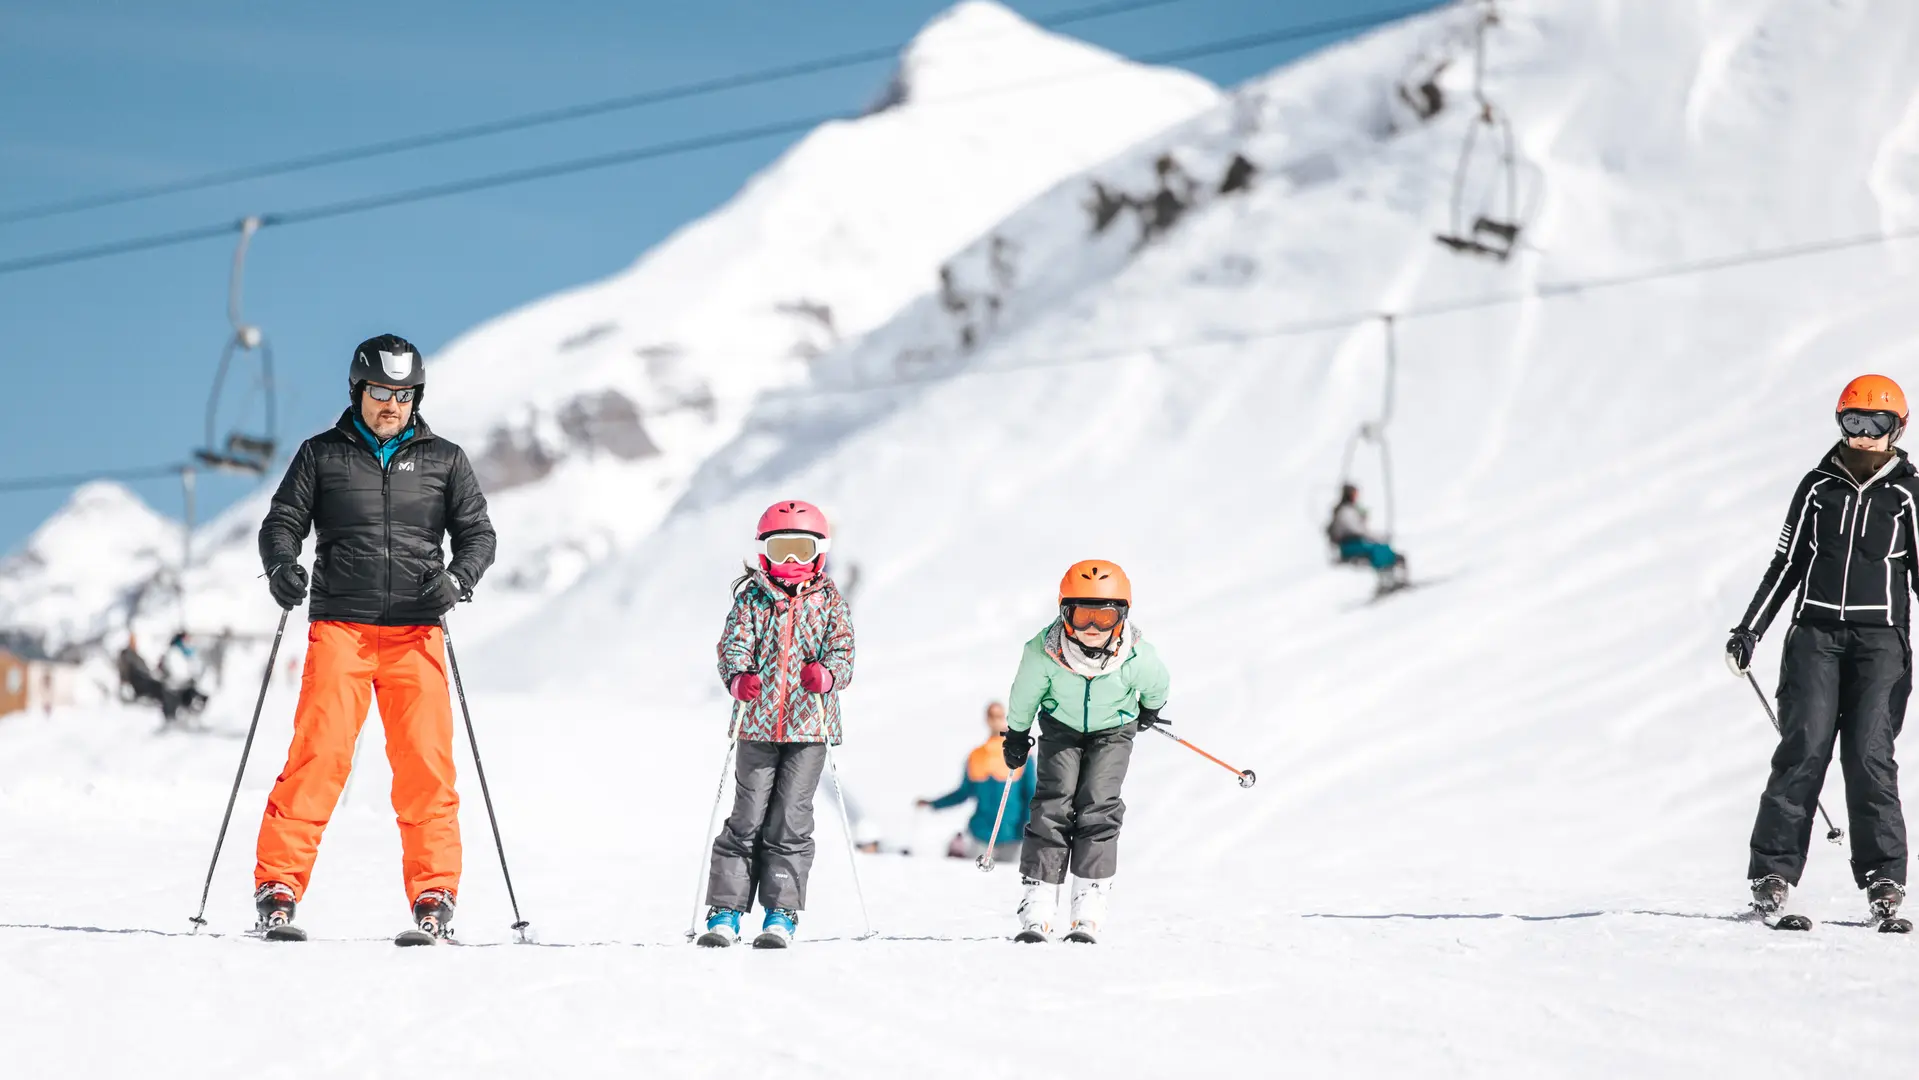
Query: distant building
column 30, row 679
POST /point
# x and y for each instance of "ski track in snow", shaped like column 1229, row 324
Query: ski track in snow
column 1500, row 826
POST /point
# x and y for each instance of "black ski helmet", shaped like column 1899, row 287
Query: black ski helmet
column 389, row 359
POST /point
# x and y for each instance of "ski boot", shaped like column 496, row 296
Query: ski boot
column 1089, row 910
column 273, row 903
column 1882, row 898
column 432, row 918
column 1036, row 910
column 778, row 929
column 722, row 928
column 1769, row 899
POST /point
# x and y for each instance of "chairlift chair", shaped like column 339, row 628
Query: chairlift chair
column 1490, row 233
column 241, row 452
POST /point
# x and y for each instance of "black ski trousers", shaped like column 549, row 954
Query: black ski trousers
column 1849, row 684
column 766, row 845
column 1077, row 810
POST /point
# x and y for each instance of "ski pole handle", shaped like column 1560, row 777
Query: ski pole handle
column 1246, row 776
column 985, row 861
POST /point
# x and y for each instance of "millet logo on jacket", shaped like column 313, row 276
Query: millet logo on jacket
column 404, row 466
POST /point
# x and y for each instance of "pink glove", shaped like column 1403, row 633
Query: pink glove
column 816, row 678
column 746, row 686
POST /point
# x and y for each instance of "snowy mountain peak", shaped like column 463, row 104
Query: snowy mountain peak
column 980, row 46
column 90, row 566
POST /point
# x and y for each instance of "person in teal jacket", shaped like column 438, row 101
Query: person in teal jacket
column 984, row 783
column 1089, row 682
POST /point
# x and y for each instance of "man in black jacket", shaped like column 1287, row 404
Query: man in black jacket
column 1846, row 558
column 380, row 491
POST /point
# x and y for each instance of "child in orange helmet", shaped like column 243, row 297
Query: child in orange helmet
column 1090, row 682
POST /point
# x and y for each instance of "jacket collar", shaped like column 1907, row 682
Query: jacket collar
column 349, row 425
column 778, row 592
column 1899, row 465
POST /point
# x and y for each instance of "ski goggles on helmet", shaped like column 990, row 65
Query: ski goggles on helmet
column 1105, row 615
column 1868, row 423
column 388, row 393
column 793, row 547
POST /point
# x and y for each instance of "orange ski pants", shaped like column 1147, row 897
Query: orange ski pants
column 348, row 664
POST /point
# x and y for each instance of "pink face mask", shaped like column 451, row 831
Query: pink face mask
column 789, row 572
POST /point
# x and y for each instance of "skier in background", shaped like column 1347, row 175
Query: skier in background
column 1847, row 549
column 983, row 782
column 786, row 650
column 1090, row 682
column 381, row 493
column 1347, row 531
column 181, row 671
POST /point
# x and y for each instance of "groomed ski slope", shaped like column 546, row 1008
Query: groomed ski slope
column 1501, row 821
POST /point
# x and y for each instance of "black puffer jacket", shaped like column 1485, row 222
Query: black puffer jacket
column 1847, row 549
column 379, row 528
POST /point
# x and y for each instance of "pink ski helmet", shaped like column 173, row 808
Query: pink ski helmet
column 793, row 516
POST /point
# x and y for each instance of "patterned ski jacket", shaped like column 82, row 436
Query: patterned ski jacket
column 774, row 634
column 1846, row 549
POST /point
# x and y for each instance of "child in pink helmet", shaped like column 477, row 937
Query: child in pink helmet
column 785, row 653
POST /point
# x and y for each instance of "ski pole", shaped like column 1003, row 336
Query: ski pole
column 246, row 749
column 1833, row 832
column 1246, row 777
column 985, row 861
column 846, row 821
column 712, row 827
column 520, row 928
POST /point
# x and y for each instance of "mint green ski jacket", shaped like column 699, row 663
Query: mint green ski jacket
column 1046, row 684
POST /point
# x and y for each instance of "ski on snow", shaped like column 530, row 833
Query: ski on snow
column 281, row 932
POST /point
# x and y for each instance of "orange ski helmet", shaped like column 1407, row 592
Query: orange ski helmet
column 1096, row 580
column 1873, row 393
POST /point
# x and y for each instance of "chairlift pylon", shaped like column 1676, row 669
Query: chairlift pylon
column 243, row 452
column 1492, row 227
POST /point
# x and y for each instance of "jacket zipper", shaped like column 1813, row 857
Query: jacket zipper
column 782, row 669
column 1086, row 708
column 1845, row 576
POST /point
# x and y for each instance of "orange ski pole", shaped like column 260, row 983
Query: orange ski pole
column 1246, row 777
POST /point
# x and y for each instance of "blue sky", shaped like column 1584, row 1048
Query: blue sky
column 111, row 361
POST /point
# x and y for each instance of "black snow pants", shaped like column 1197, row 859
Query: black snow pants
column 1848, row 683
column 768, row 839
column 1077, row 810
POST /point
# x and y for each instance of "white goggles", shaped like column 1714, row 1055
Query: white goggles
column 795, row 547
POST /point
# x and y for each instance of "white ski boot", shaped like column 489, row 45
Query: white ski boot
column 1089, row 910
column 1036, row 911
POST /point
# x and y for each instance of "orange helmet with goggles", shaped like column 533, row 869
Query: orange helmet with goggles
column 1871, row 406
column 1094, row 595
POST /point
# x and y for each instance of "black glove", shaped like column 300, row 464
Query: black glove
column 1739, row 649
column 1018, row 744
column 1149, row 716
column 288, row 584
column 442, row 590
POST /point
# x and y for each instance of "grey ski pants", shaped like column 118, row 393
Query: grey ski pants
column 1077, row 810
column 1847, row 684
column 768, row 839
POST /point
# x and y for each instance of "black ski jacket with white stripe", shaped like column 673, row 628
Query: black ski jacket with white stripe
column 1846, row 550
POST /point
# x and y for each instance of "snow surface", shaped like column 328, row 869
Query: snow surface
column 1500, row 828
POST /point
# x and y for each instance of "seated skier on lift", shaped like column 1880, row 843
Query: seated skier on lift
column 1347, row 532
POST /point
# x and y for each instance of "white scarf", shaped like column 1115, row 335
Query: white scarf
column 1086, row 666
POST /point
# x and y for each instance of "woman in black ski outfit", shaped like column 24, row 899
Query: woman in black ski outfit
column 1847, row 551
